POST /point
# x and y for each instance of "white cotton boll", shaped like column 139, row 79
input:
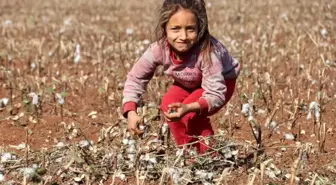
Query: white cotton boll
column 131, row 157
column 152, row 160
column 67, row 21
column 250, row 118
column 179, row 152
column 84, row 144
column 289, row 136
column 313, row 106
column 273, row 125
column 317, row 113
column 28, row 172
column 164, row 128
column 7, row 22
column 142, row 127
column 7, row 157
column 33, row 65
column 35, row 166
column 270, row 174
column 146, row 157
column 59, row 160
column 60, row 145
column 193, row 152
column 128, row 65
column 228, row 155
column 2, row 177
column 204, row 175
column 3, row 102
column 324, row 32
column 235, row 152
column 122, row 177
column 120, row 85
column 146, row 42
column 78, row 179
column 35, row 98
column 246, row 109
column 209, row 5
column 284, row 16
column 59, row 98
column 131, row 142
column 207, row 183
column 175, row 175
column 77, row 54
column 125, row 141
column 150, row 167
column 129, row 31
column 261, row 112
column 131, row 150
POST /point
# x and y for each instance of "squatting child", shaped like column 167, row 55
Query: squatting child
column 204, row 72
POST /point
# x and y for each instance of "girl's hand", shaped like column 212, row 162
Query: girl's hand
column 133, row 119
column 176, row 112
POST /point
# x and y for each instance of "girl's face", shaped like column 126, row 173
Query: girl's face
column 182, row 30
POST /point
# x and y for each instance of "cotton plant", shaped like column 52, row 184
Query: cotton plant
column 35, row 98
column 314, row 108
column 131, row 150
column 59, row 98
column 274, row 126
column 319, row 128
column 247, row 111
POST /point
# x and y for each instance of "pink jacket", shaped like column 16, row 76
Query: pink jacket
column 190, row 73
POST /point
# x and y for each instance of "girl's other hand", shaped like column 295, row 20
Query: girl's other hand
column 133, row 119
column 176, row 112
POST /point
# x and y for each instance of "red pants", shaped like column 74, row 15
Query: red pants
column 192, row 124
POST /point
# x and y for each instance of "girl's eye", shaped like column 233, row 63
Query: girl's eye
column 191, row 29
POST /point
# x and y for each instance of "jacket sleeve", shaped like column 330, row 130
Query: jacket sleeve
column 138, row 78
column 224, row 68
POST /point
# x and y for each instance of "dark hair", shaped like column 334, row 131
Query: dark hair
column 170, row 7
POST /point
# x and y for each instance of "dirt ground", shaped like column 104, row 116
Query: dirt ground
column 282, row 39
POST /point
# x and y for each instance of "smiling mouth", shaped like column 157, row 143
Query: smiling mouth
column 182, row 43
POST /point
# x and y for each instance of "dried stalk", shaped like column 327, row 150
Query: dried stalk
column 270, row 118
column 225, row 173
column 293, row 170
column 262, row 169
column 293, row 117
column 163, row 176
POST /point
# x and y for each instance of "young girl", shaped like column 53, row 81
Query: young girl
column 204, row 73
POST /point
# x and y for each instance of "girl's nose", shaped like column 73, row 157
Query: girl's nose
column 184, row 35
